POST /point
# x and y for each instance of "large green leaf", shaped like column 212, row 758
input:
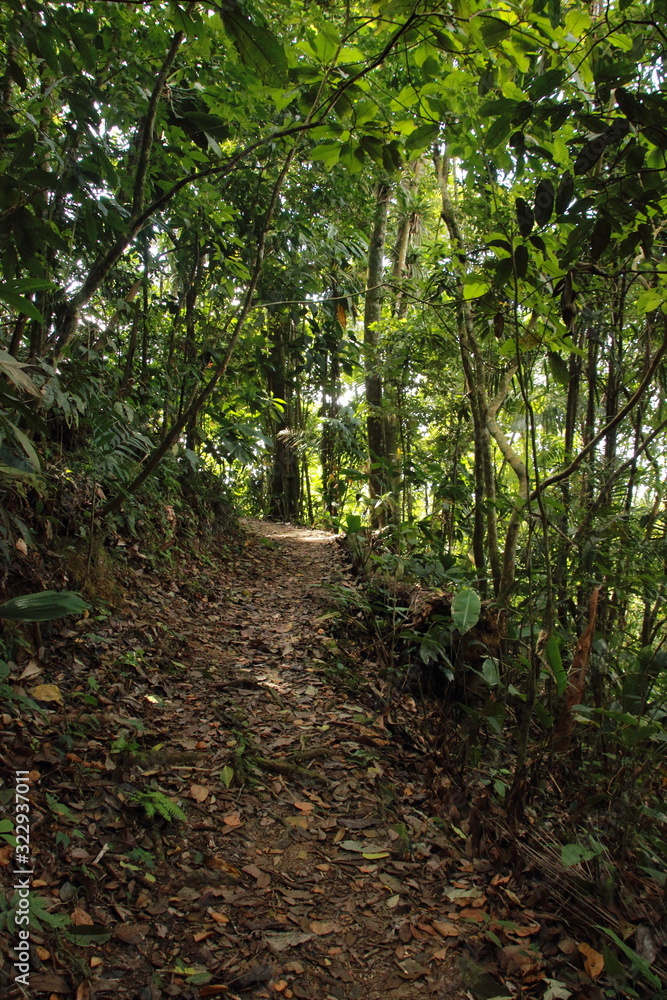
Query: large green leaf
column 551, row 646
column 16, row 373
column 494, row 31
column 43, row 607
column 546, row 84
column 257, row 47
column 465, row 609
column 422, row 137
column 14, row 292
column 544, row 201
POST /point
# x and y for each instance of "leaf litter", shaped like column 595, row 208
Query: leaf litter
column 311, row 863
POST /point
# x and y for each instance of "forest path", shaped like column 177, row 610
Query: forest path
column 307, row 863
column 339, row 879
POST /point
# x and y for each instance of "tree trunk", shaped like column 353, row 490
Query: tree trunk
column 377, row 452
column 285, row 482
column 485, row 528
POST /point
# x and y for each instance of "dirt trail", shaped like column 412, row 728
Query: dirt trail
column 341, row 874
column 306, row 866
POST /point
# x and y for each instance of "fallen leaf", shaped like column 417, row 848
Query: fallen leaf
column 593, row 960
column 48, row 983
column 80, row 917
column 233, row 820
column 223, row 866
column 567, row 946
column 353, row 845
column 299, row 822
column 646, row 945
column 282, row 941
column 199, row 792
column 47, row 692
column 392, row 883
column 253, row 870
column 446, row 929
column 519, row 958
column 470, row 914
column 323, row 927
column 556, row 990
column 31, row 669
column 220, row 918
column 296, row 967
column 130, row 933
column 411, row 969
column 306, row 807
column 525, row 930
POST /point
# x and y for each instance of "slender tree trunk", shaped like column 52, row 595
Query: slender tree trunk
column 485, row 528
column 285, row 485
column 506, row 585
column 377, row 452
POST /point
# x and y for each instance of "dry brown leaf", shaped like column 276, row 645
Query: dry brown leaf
column 526, row 930
column 199, row 792
column 411, row 969
column 300, row 822
column 80, row 917
column 220, row 918
column 31, row 669
column 222, row 866
column 48, row 982
column 446, row 929
column 130, row 933
column 233, row 820
column 470, row 914
column 283, row 940
column 593, row 960
column 46, row 692
column 305, row 807
column 96, row 961
column 323, row 927
column 517, row 958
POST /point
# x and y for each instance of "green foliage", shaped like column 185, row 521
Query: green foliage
column 43, row 607
column 155, row 803
column 41, row 915
column 518, row 350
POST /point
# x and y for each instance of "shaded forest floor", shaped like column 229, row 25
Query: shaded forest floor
column 311, row 862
